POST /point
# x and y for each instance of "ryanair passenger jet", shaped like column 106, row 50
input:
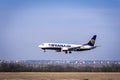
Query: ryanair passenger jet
column 62, row 47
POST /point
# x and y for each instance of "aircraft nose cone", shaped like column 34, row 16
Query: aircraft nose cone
column 40, row 46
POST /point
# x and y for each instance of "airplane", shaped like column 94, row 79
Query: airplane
column 62, row 47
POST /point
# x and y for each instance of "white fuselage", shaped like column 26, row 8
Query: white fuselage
column 59, row 47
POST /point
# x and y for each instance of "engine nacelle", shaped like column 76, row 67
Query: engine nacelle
column 64, row 49
column 58, row 50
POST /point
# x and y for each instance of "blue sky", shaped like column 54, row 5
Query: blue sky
column 24, row 24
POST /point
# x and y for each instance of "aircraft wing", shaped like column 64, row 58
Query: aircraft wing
column 74, row 48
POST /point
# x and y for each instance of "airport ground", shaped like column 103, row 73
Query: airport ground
column 59, row 76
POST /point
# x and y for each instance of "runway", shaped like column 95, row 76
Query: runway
column 59, row 76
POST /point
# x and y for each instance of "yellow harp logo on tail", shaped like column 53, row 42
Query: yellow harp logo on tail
column 92, row 41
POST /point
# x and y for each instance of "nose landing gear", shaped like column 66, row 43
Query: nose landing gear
column 44, row 50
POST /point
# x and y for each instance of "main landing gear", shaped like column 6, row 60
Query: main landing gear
column 67, row 52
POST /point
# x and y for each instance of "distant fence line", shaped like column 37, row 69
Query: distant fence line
column 17, row 67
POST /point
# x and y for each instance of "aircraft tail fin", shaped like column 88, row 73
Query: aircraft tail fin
column 92, row 41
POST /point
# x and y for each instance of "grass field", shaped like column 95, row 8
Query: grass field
column 58, row 76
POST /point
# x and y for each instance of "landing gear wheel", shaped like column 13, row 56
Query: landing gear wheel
column 44, row 50
column 65, row 52
column 70, row 52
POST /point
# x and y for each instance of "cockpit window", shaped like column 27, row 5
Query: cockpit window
column 43, row 44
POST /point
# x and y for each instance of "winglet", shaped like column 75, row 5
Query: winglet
column 92, row 41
